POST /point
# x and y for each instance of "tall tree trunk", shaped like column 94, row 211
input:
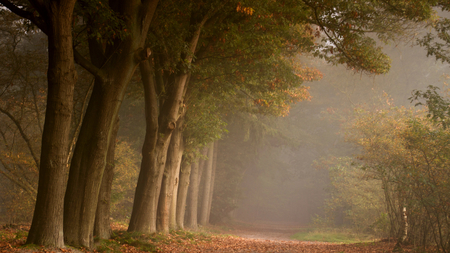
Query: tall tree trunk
column 112, row 78
column 47, row 225
column 176, row 181
column 206, row 186
column 102, row 227
column 194, row 189
column 143, row 217
column 168, row 182
column 173, row 205
column 191, row 221
column 142, row 195
column 185, row 172
column 213, row 178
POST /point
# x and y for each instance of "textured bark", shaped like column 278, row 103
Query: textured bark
column 142, row 196
column 47, row 225
column 112, row 78
column 169, row 179
column 173, row 205
column 102, row 227
column 201, row 165
column 185, row 172
column 213, row 178
column 143, row 217
column 206, row 186
column 191, row 221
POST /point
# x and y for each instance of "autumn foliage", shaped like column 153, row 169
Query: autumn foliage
column 404, row 154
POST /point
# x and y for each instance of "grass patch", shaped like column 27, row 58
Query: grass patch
column 332, row 235
column 31, row 247
column 135, row 239
column 150, row 243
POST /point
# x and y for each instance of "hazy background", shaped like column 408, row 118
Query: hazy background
column 280, row 183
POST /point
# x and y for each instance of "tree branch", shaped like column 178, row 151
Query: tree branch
column 16, row 179
column 91, row 68
column 22, row 133
column 39, row 22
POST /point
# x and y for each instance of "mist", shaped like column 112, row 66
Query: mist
column 281, row 185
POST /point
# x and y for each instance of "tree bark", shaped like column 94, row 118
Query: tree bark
column 102, row 227
column 193, row 197
column 47, row 225
column 176, row 183
column 169, row 179
column 206, row 186
column 213, row 177
column 142, row 198
column 112, row 78
column 143, row 216
column 185, row 172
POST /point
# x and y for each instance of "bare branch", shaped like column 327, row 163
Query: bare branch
column 83, row 62
column 9, row 173
column 22, row 133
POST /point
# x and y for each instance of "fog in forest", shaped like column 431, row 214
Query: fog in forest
column 280, row 184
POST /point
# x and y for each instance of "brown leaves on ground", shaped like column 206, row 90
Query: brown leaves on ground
column 238, row 244
column 13, row 238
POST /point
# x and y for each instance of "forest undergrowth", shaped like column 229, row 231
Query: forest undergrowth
column 12, row 239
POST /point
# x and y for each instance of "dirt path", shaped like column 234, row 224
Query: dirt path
column 265, row 231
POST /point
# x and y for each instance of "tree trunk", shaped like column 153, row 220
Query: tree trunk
column 201, row 168
column 193, row 197
column 47, row 225
column 113, row 73
column 102, row 227
column 168, row 182
column 213, row 177
column 143, row 217
column 185, row 172
column 173, row 205
column 206, row 186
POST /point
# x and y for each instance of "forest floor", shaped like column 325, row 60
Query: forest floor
column 236, row 238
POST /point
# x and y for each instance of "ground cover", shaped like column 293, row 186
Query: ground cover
column 12, row 239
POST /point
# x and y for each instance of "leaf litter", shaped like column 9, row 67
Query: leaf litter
column 12, row 239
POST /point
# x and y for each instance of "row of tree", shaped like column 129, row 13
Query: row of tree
column 197, row 61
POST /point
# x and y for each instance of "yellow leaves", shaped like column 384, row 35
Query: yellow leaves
column 246, row 10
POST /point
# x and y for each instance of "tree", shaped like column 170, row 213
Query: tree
column 113, row 65
column 161, row 121
column 54, row 19
column 408, row 153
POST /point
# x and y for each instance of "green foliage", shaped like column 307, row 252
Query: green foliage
column 437, row 43
column 109, row 246
column 332, row 235
column 204, row 123
column 343, row 27
column 126, row 172
column 408, row 153
column 356, row 199
column 136, row 239
column 98, row 21
column 438, row 107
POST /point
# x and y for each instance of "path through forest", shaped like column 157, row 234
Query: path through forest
column 264, row 230
column 236, row 238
